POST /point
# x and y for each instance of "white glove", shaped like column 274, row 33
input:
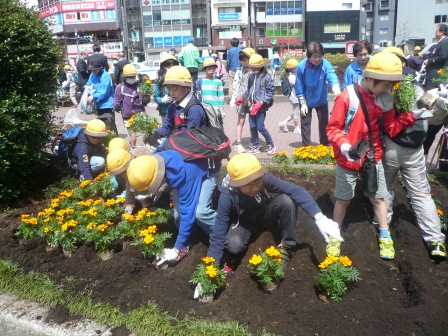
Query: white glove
column 443, row 91
column 336, row 90
column 328, row 228
column 197, row 291
column 418, row 112
column 167, row 255
column 303, row 107
column 166, row 100
column 345, row 147
column 232, row 102
column 128, row 209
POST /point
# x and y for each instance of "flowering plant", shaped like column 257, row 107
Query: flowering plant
column 442, row 216
column 143, row 124
column 443, row 76
column 335, row 275
column 131, row 225
column 102, row 185
column 404, row 94
column 209, row 275
column 146, row 86
column 267, row 266
column 152, row 242
column 314, row 154
column 281, row 157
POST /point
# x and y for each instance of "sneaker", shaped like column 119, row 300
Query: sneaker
column 387, row 248
column 334, row 247
column 254, row 150
column 297, row 130
column 239, row 148
column 283, row 126
column 271, row 150
column 182, row 254
column 437, row 250
column 229, row 266
column 285, row 253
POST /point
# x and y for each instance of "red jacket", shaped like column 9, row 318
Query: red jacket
column 392, row 125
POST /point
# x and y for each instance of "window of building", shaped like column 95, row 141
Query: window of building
column 369, row 20
column 368, row 7
column 384, row 17
column 347, row 5
column 229, row 10
column 384, row 4
column 383, row 31
column 157, row 17
column 284, row 29
column 332, row 28
column 368, row 33
column 440, row 19
column 441, row 1
column 147, row 19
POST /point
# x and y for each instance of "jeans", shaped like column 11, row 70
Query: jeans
column 280, row 210
column 305, row 123
column 256, row 123
column 205, row 215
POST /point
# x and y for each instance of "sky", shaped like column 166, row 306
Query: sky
column 31, row 3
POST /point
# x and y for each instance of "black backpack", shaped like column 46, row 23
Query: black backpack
column 199, row 143
column 286, row 87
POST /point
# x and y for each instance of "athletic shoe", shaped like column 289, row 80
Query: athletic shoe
column 437, row 250
column 283, row 126
column 334, row 247
column 239, row 148
column 254, row 150
column 297, row 130
column 229, row 266
column 182, row 254
column 285, row 253
column 387, row 248
column 271, row 150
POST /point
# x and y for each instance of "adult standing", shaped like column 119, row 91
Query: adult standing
column 362, row 51
column 118, row 69
column 189, row 56
column 233, row 63
column 312, row 76
column 83, row 73
column 404, row 45
column 439, row 57
column 98, row 56
column 103, row 95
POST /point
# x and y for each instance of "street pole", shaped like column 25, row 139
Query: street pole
column 77, row 45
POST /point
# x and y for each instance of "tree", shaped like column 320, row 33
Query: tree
column 29, row 58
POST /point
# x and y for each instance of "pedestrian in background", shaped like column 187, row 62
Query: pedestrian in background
column 118, row 68
column 189, row 57
column 210, row 89
column 70, row 85
column 233, row 63
column 312, row 76
column 83, row 73
column 290, row 75
column 439, row 57
column 161, row 94
column 275, row 67
column 362, row 51
column 416, row 60
column 99, row 57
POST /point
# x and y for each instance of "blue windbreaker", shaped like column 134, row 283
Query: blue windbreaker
column 104, row 89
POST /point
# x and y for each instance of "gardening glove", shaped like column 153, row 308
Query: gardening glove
column 167, row 255
column 336, row 90
column 255, row 108
column 420, row 113
column 443, row 91
column 303, row 107
column 232, row 102
column 197, row 291
column 152, row 140
column 328, row 227
column 345, row 147
column 239, row 101
column 167, row 100
column 128, row 209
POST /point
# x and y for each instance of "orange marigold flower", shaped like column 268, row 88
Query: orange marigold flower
column 440, row 212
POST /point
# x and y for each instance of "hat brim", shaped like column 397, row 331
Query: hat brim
column 248, row 179
column 93, row 68
column 177, row 82
column 96, row 134
column 381, row 76
column 120, row 170
column 154, row 187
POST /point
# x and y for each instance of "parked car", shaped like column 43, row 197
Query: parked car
column 143, row 69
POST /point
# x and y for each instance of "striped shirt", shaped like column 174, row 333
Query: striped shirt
column 212, row 92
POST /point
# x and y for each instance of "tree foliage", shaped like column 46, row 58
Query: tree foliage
column 29, row 58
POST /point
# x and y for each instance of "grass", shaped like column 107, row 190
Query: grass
column 146, row 320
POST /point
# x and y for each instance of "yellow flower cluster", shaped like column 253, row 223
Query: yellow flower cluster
column 273, row 252
column 314, row 154
column 150, row 230
column 67, row 193
column 64, row 212
column 86, row 203
column 331, row 259
column 68, row 225
column 85, row 183
column 104, row 226
column 255, row 260
column 281, row 153
column 29, row 220
column 101, row 176
column 208, row 260
column 91, row 212
column 211, row 271
column 440, row 212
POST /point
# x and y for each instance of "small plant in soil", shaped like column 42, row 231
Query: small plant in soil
column 404, row 94
column 131, row 225
column 210, row 276
column 151, row 241
column 281, row 157
column 336, row 274
column 267, row 266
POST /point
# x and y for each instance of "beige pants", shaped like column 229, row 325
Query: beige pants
column 231, row 77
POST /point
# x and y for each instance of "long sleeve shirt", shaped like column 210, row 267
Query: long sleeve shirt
column 104, row 89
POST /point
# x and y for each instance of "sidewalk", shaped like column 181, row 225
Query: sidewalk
column 277, row 113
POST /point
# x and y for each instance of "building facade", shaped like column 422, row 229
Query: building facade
column 381, row 22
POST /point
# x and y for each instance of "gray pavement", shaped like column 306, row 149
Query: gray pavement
column 277, row 113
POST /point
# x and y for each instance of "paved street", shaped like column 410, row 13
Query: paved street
column 278, row 112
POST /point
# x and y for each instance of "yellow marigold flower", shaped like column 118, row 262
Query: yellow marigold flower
column 148, row 81
column 102, row 227
column 49, row 211
column 46, row 220
column 91, row 225
column 148, row 239
column 139, row 217
column 211, row 271
column 120, row 200
column 33, row 221
column 142, row 211
column 85, row 183
column 440, row 212
column 64, row 227
column 273, row 252
column 208, row 260
column 332, row 258
column 345, row 261
column 48, row 229
column 323, row 264
column 40, row 214
column 143, row 233
column 255, row 260
column 128, row 217
column 109, row 202
column 25, row 216
column 97, row 202
column 441, row 71
column 152, row 229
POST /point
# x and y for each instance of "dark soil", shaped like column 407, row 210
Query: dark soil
column 406, row 296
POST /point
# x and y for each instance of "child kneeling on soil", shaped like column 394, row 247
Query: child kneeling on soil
column 347, row 126
column 88, row 153
column 147, row 173
column 246, row 208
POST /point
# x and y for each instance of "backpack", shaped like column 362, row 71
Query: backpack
column 68, row 141
column 213, row 115
column 199, row 143
column 286, row 87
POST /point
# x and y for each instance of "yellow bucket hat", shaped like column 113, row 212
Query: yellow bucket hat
column 146, row 173
column 118, row 161
column 244, row 168
column 384, row 66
